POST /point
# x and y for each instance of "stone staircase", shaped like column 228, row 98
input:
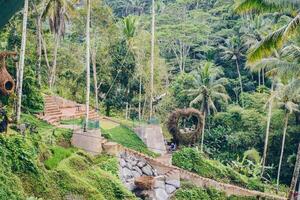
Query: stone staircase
column 56, row 109
column 52, row 114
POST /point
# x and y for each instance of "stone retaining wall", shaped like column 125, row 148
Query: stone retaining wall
column 162, row 168
column 132, row 167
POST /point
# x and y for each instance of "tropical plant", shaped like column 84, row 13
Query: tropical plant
column 276, row 66
column 209, row 90
column 88, row 58
column 58, row 12
column 20, row 72
column 276, row 39
column 233, row 50
column 285, row 96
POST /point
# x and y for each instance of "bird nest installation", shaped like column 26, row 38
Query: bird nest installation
column 185, row 125
column 7, row 84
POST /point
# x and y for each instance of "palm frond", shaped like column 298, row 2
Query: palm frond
column 257, row 6
column 273, row 41
column 266, row 6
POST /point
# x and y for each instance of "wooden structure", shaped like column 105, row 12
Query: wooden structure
column 144, row 182
column 7, row 84
column 185, row 135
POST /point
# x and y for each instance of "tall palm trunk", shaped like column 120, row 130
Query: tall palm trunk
column 140, row 99
column 286, row 120
column 240, row 78
column 39, row 49
column 45, row 51
column 295, row 175
column 152, row 59
column 95, row 78
column 53, row 70
column 259, row 78
column 22, row 59
column 267, row 132
column 203, row 130
column 88, row 46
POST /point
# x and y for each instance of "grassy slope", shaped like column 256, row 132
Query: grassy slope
column 73, row 173
column 190, row 192
column 192, row 160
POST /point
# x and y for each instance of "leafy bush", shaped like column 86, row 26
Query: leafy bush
column 191, row 192
column 192, row 160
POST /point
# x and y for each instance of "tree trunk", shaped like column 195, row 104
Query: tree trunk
column 152, row 59
column 259, row 78
column 140, row 99
column 263, row 77
column 53, row 70
column 126, row 111
column 88, row 81
column 45, row 51
column 286, row 121
column 22, row 59
column 295, row 175
column 203, row 130
column 267, row 132
column 240, row 79
column 95, row 79
column 298, row 197
column 39, row 49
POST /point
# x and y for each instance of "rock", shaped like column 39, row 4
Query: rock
column 141, row 164
column 155, row 172
column 135, row 168
column 129, row 165
column 159, row 184
column 127, row 174
column 170, row 188
column 130, row 186
column 122, row 155
column 134, row 162
column 136, row 174
column 161, row 194
column 122, row 162
column 147, row 170
column 175, row 183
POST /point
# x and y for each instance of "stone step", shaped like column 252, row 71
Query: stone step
column 52, row 113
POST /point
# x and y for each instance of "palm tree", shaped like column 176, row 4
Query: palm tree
column 210, row 89
column 129, row 31
column 152, row 58
column 232, row 50
column 275, row 66
column 57, row 11
column 88, row 81
column 22, row 59
column 285, row 96
column 276, row 39
column 295, row 175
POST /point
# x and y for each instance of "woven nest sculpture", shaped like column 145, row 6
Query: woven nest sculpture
column 185, row 125
column 7, row 84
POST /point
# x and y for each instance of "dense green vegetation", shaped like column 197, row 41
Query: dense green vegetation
column 43, row 165
column 190, row 192
column 235, row 61
column 193, row 160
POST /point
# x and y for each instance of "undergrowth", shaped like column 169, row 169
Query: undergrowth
column 192, row 160
column 191, row 192
column 43, row 165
